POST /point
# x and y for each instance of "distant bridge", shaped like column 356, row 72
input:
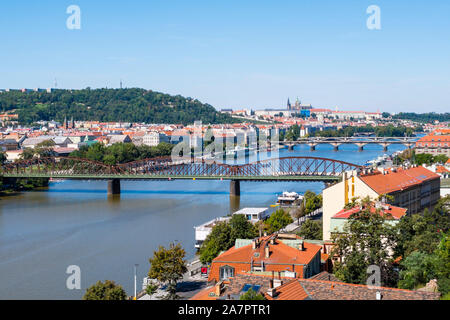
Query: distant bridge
column 282, row 169
column 385, row 142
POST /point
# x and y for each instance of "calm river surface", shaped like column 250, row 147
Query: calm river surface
column 74, row 223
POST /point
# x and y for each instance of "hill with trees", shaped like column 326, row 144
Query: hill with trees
column 108, row 105
column 423, row 117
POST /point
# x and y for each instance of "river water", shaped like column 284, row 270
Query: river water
column 75, row 223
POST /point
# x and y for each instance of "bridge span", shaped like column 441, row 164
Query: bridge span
column 385, row 142
column 280, row 169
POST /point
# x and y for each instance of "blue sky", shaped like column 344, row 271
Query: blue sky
column 237, row 54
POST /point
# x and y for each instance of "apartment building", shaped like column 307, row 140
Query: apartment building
column 153, row 139
column 437, row 142
column 413, row 189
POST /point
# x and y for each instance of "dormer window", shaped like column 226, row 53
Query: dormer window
column 226, row 272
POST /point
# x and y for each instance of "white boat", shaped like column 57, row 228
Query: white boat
column 288, row 198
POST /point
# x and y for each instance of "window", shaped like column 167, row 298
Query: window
column 226, row 272
column 254, row 287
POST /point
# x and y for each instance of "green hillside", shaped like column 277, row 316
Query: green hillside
column 126, row 105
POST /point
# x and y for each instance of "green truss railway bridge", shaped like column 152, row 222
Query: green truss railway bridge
column 281, row 169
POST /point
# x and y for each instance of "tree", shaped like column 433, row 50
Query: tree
column 419, row 268
column 241, row 228
column 423, row 158
column 3, row 158
column 278, row 220
column 27, row 154
column 127, row 105
column 252, row 295
column 105, row 291
column 312, row 201
column 218, row 240
column 421, row 232
column 299, row 212
column 45, row 148
column 366, row 240
column 168, row 266
column 440, row 158
column 224, row 235
column 311, row 230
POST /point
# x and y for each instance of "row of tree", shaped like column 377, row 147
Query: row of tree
column 121, row 152
column 379, row 131
column 430, row 117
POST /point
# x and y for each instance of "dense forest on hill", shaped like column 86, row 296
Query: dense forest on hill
column 126, row 105
column 423, row 117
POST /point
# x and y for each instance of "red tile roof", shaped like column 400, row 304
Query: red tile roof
column 400, row 180
column 292, row 290
column 395, row 212
column 441, row 169
column 279, row 253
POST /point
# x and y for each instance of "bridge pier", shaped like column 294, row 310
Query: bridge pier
column 385, row 148
column 312, row 147
column 9, row 182
column 235, row 188
column 360, row 148
column 335, row 146
column 113, row 186
column 291, row 147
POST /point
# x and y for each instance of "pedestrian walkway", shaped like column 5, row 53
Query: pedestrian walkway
column 298, row 222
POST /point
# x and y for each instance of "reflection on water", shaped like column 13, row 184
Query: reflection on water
column 235, row 202
column 76, row 223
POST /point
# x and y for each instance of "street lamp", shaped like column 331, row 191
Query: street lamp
column 135, row 281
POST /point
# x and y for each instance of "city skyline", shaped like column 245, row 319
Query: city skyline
column 234, row 55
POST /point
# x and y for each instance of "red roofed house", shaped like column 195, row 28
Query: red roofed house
column 413, row 189
column 292, row 257
column 323, row 286
column 392, row 213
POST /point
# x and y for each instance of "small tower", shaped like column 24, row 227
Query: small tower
column 289, row 107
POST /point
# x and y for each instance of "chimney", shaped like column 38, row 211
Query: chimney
column 218, row 289
column 271, row 284
column 267, row 252
column 272, row 240
column 272, row 292
column 254, row 244
column 379, row 296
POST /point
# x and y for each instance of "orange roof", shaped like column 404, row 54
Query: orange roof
column 205, row 294
column 395, row 212
column 441, row 169
column 280, row 253
column 400, row 180
column 292, row 290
